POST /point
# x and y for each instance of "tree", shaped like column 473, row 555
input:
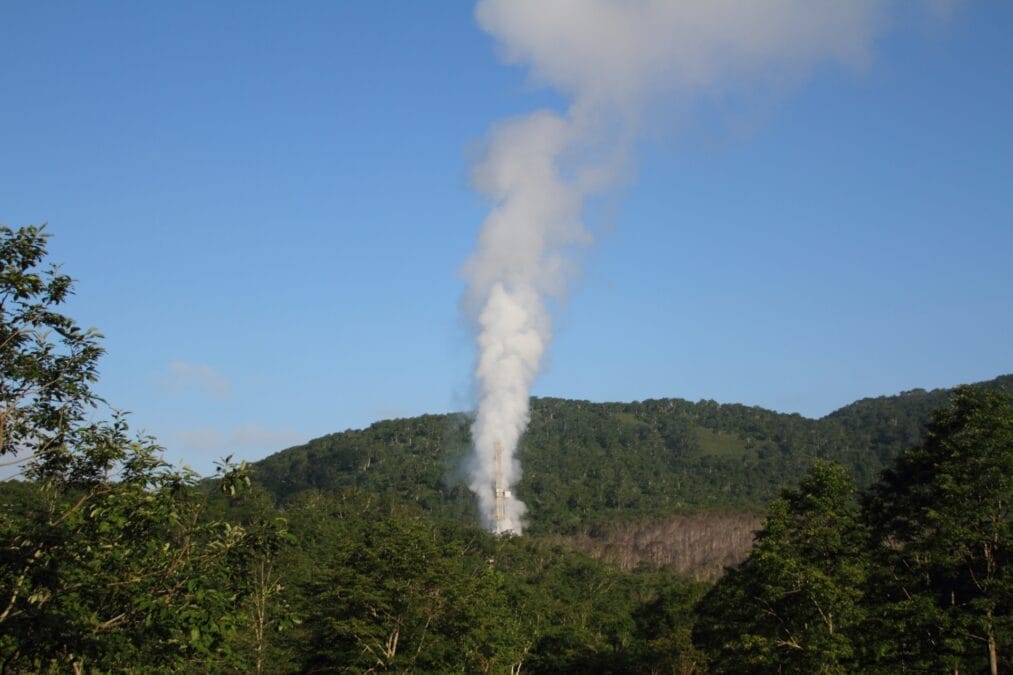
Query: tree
column 47, row 363
column 387, row 589
column 942, row 523
column 665, row 629
column 118, row 564
column 794, row 605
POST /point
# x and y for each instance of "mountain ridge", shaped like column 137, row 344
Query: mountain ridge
column 589, row 465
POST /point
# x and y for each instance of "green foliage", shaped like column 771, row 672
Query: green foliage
column 795, row 604
column 588, row 465
column 48, row 362
column 123, row 571
column 110, row 563
column 393, row 592
column 664, row 630
column 918, row 580
column 354, row 552
column 944, row 588
column 383, row 586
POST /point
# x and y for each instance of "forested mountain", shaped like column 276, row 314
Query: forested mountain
column 588, row 465
column 358, row 551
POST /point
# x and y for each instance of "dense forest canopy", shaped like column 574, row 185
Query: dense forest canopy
column 884, row 548
column 587, row 465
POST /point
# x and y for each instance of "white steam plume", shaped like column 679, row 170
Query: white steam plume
column 612, row 57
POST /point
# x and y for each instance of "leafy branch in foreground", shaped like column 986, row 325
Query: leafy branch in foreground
column 116, row 562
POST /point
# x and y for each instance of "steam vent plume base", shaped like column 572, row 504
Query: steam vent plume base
column 502, row 494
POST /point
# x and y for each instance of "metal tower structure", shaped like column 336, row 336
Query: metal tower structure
column 502, row 494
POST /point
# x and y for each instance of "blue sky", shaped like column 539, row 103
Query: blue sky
column 267, row 209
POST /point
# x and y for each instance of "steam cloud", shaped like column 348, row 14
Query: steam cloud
column 613, row 58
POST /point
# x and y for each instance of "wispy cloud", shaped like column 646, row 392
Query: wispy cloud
column 200, row 377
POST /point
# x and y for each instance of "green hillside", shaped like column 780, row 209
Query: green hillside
column 590, row 464
column 111, row 560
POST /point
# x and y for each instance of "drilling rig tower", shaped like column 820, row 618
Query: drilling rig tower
column 500, row 524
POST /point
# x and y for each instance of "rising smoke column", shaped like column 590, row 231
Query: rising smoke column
column 612, row 58
column 518, row 260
